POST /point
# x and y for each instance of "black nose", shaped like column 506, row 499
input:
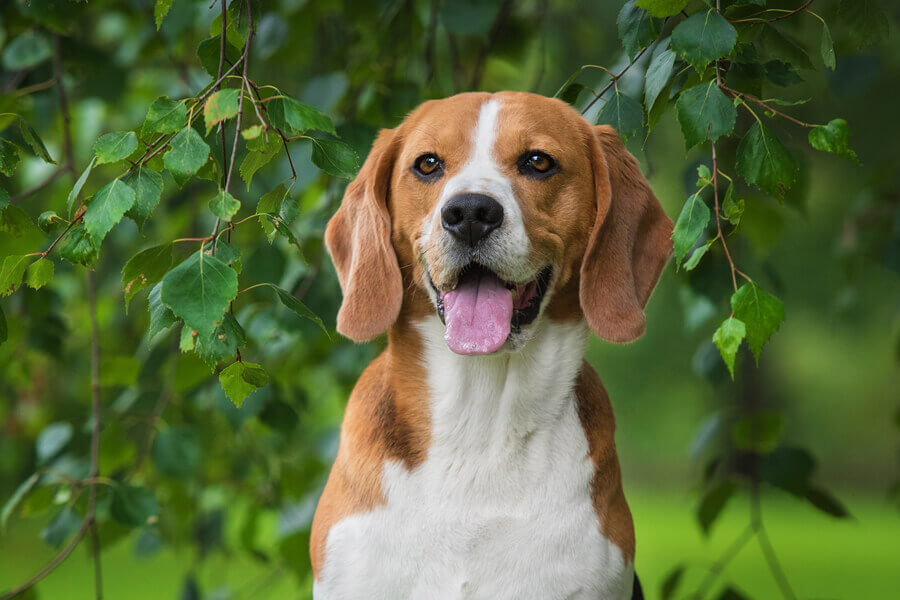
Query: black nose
column 471, row 217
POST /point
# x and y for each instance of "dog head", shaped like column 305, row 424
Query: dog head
column 496, row 211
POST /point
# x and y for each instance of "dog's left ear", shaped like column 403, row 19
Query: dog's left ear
column 358, row 237
column 629, row 244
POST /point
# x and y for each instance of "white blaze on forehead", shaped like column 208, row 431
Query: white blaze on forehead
column 483, row 174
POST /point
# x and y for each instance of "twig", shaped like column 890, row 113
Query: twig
column 37, row 87
column 88, row 521
column 766, row 545
column 716, row 569
column 778, row 18
column 613, row 81
column 62, row 170
column 762, row 103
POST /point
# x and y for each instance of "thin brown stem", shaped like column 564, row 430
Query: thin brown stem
column 37, row 87
column 614, row 80
column 786, row 15
column 45, row 183
column 762, row 103
column 721, row 236
column 88, row 521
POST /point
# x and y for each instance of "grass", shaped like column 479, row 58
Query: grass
column 824, row 558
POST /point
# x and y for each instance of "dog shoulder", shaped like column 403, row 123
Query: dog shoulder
column 596, row 416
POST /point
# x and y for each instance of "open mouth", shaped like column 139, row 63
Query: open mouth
column 482, row 310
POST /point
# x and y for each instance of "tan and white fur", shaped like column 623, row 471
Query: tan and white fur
column 496, row 475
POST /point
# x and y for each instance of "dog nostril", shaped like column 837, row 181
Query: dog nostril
column 471, row 217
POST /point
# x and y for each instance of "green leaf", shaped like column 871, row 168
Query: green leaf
column 261, row 152
column 14, row 220
column 866, row 20
column 269, row 205
column 224, row 205
column 335, row 158
column 199, row 291
column 670, row 583
column 148, row 186
column 34, row 141
column 296, row 306
column 764, row 162
column 39, row 273
column 291, row 116
column 758, row 431
column 145, row 269
column 187, row 153
column 658, row 74
column 76, row 189
column 780, row 45
column 9, row 157
column 732, row 209
column 188, row 339
column 827, row 503
column 220, row 106
column 728, row 338
column 827, row 48
column 761, row 312
column 223, row 342
column 835, row 138
column 165, row 116
column 241, row 379
column 11, row 273
column 107, row 208
column 58, row 530
column 282, row 228
column 115, row 146
column 52, row 440
column 160, row 10
column 623, row 113
column 252, row 132
column 176, row 452
column 703, row 37
column 48, row 221
column 662, row 8
column 705, row 113
column 133, row 505
column 712, row 503
column 789, row 469
column 637, row 29
column 17, row 497
column 26, row 51
column 208, row 52
column 691, row 263
column 689, row 226
column 79, row 247
column 161, row 317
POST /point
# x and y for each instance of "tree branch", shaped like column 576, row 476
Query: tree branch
column 772, row 20
column 613, row 81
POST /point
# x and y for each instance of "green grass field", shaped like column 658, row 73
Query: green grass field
column 825, row 559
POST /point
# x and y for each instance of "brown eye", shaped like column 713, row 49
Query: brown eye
column 537, row 164
column 427, row 165
column 540, row 162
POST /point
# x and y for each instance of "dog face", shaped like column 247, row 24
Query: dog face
column 495, row 211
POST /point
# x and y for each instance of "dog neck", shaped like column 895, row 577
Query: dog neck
column 495, row 403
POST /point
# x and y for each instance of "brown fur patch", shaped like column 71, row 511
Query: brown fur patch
column 596, row 415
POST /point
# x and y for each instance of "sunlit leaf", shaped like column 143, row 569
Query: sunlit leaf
column 165, row 116
column 241, row 379
column 11, row 273
column 728, row 338
column 219, row 106
column 39, row 273
column 834, row 138
column 115, row 146
column 761, row 313
column 187, row 153
column 107, row 208
column 662, row 8
column 224, row 205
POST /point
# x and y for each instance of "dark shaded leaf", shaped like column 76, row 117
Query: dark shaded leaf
column 335, row 158
column 176, row 452
column 133, row 505
column 705, row 113
column 764, row 162
column 622, row 113
column 145, row 268
column 712, row 503
column 690, row 226
column 704, row 37
column 637, row 29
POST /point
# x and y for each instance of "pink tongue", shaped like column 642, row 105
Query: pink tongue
column 477, row 314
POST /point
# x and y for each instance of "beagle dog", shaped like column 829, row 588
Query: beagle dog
column 488, row 234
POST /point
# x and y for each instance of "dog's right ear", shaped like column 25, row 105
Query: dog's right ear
column 358, row 237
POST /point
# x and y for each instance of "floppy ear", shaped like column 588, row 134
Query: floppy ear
column 358, row 238
column 629, row 244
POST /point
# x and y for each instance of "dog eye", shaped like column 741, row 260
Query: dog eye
column 427, row 165
column 537, row 164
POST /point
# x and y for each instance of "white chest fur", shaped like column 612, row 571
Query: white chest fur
column 501, row 506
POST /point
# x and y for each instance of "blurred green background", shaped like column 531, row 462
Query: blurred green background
column 237, row 525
